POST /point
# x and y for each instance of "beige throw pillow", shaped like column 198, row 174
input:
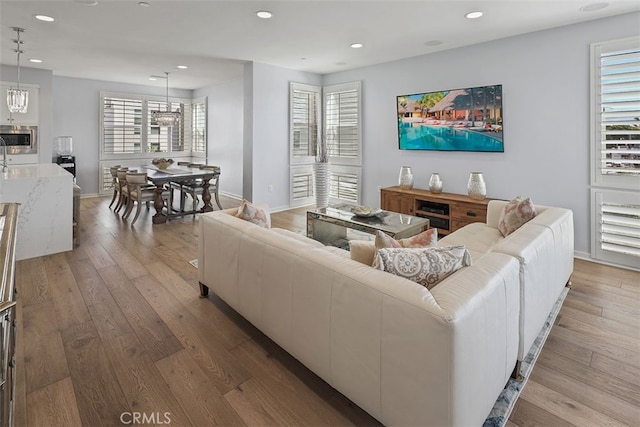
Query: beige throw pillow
column 255, row 213
column 515, row 214
column 364, row 251
column 426, row 266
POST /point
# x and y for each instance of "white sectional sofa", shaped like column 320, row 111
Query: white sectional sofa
column 544, row 249
column 406, row 355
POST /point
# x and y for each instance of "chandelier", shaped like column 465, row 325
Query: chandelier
column 166, row 118
column 17, row 99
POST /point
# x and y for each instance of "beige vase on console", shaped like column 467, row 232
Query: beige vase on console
column 476, row 188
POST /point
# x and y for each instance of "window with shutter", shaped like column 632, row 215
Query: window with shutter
column 129, row 135
column 615, row 136
column 301, row 185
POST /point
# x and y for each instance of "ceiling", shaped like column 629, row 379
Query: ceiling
column 124, row 41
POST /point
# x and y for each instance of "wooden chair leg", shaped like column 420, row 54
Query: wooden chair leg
column 113, row 199
column 135, row 218
column 128, row 209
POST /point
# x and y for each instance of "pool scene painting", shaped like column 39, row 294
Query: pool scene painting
column 452, row 120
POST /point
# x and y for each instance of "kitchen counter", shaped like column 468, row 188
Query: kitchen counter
column 45, row 214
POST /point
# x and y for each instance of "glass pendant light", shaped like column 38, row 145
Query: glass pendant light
column 17, row 99
column 166, row 118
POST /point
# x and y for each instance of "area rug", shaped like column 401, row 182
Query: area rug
column 194, row 262
column 507, row 399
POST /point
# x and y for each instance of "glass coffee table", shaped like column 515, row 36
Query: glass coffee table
column 336, row 225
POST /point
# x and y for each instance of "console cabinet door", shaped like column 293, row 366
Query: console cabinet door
column 397, row 202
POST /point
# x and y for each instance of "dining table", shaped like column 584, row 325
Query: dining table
column 180, row 174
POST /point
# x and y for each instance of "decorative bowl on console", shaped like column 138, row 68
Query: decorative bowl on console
column 162, row 163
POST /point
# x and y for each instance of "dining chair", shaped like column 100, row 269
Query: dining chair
column 140, row 191
column 114, row 177
column 121, row 175
column 196, row 188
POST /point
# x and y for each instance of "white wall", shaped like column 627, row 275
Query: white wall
column 44, row 79
column 76, row 113
column 225, row 133
column 269, row 113
column 545, row 78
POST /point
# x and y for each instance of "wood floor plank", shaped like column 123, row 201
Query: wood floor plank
column 100, row 399
column 602, row 323
column 203, row 404
column 616, row 369
column 586, row 374
column 564, row 407
column 141, row 382
column 152, row 332
column 33, row 289
column 42, row 337
column 586, row 394
column 229, row 334
column 131, row 266
column 287, row 386
column 67, row 299
column 570, row 350
column 259, row 407
column 105, row 312
column 212, row 357
column 602, row 332
column 526, row 414
column 54, row 405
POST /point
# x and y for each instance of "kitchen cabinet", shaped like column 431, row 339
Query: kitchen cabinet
column 28, row 118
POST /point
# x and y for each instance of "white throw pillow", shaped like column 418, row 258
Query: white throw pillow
column 426, row 266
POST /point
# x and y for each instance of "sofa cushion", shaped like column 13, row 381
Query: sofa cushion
column 426, row 266
column 478, row 237
column 296, row 236
column 255, row 213
column 426, row 238
column 517, row 212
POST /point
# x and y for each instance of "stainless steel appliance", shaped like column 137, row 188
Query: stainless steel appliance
column 20, row 139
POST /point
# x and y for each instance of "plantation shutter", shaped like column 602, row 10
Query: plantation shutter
column 344, row 184
column 304, row 115
column 615, row 189
column 199, row 127
column 617, row 121
column 121, row 125
column 342, row 123
column 342, row 130
column 301, row 185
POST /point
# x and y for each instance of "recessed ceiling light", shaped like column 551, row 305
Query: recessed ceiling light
column 143, row 4
column 303, row 59
column 182, row 67
column 153, row 79
column 473, row 15
column 433, row 43
column 86, row 2
column 593, row 7
column 356, row 45
column 37, row 61
column 44, row 18
column 264, row 14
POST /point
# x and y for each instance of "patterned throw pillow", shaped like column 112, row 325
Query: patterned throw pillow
column 426, row 238
column 426, row 266
column 517, row 212
column 256, row 214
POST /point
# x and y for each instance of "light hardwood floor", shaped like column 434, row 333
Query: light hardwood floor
column 116, row 327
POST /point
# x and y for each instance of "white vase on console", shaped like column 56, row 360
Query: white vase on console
column 435, row 183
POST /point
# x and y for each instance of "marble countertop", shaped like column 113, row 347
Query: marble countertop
column 41, row 170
